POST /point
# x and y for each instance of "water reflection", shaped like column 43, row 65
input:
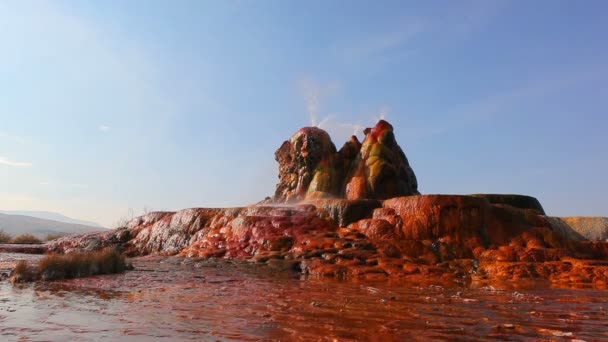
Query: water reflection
column 194, row 299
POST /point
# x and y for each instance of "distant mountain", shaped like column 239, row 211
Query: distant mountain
column 20, row 224
column 47, row 215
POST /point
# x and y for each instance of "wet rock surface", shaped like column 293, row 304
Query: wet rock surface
column 23, row 248
column 357, row 213
column 456, row 238
column 206, row 299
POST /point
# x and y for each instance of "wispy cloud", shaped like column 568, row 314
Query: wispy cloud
column 8, row 162
column 104, row 128
column 65, row 185
column 469, row 16
column 11, row 137
column 374, row 45
column 403, row 36
column 502, row 102
column 535, row 89
column 75, row 42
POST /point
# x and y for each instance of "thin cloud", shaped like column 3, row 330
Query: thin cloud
column 382, row 42
column 66, row 185
column 12, row 138
column 470, row 16
column 497, row 104
column 406, row 36
column 535, row 89
column 77, row 43
column 104, row 128
column 8, row 162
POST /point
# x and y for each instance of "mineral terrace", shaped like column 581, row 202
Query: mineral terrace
column 357, row 212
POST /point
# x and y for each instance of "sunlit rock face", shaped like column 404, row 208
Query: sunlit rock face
column 311, row 168
column 381, row 169
column 591, row 228
column 442, row 237
column 307, row 167
column 357, row 212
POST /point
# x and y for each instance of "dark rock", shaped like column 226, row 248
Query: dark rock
column 517, row 201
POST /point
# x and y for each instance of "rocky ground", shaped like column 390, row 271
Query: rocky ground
column 591, row 228
column 357, row 212
column 453, row 237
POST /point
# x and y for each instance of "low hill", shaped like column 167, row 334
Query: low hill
column 48, row 215
column 21, row 224
column 592, row 228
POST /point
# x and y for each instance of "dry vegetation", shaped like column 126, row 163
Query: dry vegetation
column 23, row 272
column 26, row 239
column 74, row 265
column 5, row 237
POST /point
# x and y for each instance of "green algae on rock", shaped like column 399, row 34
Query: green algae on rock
column 311, row 168
column 357, row 212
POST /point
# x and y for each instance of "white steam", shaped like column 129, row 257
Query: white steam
column 383, row 113
column 314, row 93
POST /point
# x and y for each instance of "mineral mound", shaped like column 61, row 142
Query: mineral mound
column 310, row 167
column 357, row 212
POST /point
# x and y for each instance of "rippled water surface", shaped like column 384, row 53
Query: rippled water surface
column 188, row 299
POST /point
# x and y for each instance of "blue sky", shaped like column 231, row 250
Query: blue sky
column 111, row 105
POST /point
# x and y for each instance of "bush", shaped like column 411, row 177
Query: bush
column 74, row 265
column 5, row 237
column 23, row 273
column 26, row 239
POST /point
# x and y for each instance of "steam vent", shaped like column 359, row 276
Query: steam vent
column 357, row 212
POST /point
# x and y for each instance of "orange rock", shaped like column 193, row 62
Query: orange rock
column 434, row 216
column 370, row 234
column 378, row 229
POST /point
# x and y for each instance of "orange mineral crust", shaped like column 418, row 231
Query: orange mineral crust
column 357, row 213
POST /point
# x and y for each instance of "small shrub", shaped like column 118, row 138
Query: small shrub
column 109, row 261
column 5, row 237
column 26, row 239
column 77, row 265
column 23, row 273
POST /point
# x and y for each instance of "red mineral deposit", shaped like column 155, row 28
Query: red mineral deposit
column 357, row 212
